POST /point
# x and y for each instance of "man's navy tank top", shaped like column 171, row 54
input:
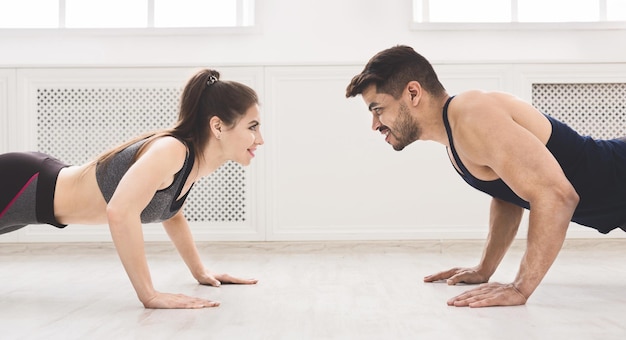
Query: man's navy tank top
column 596, row 169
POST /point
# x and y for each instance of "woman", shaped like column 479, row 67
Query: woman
column 144, row 180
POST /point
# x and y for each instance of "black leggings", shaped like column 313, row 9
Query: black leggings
column 27, row 184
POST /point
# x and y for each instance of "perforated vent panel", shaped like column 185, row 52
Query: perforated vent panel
column 77, row 124
column 597, row 110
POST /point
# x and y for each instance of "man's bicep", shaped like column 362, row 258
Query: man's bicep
column 517, row 156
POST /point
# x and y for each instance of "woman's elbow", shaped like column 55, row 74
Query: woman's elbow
column 117, row 214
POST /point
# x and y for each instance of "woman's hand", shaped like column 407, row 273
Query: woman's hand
column 180, row 301
column 212, row 279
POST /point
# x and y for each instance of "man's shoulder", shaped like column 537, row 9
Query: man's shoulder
column 472, row 106
column 478, row 98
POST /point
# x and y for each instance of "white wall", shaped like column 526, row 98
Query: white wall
column 322, row 174
column 316, row 32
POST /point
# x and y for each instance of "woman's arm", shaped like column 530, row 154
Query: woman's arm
column 147, row 175
column 177, row 228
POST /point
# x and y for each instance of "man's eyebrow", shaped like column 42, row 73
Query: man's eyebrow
column 373, row 105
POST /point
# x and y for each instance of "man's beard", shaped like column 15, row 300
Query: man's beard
column 406, row 129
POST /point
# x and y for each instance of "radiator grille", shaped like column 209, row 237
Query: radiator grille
column 593, row 109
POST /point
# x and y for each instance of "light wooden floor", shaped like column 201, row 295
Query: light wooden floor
column 313, row 290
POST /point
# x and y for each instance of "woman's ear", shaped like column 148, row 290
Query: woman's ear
column 216, row 126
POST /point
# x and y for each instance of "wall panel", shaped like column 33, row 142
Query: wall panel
column 7, row 105
column 7, row 111
column 335, row 178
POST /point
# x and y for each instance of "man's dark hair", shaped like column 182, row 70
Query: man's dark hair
column 390, row 70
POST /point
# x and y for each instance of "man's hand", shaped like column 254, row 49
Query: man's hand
column 489, row 294
column 458, row 275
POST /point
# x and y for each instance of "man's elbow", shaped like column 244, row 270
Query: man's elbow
column 568, row 195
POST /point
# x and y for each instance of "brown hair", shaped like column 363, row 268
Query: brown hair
column 390, row 70
column 203, row 97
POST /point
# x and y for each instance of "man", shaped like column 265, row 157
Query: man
column 504, row 147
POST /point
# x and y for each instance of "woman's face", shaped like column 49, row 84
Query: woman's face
column 240, row 141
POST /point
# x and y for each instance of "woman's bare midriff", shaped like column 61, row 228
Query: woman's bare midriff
column 77, row 198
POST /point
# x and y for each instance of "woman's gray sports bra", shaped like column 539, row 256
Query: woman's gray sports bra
column 164, row 204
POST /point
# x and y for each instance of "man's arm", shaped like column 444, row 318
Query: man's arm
column 546, row 233
column 504, row 222
column 490, row 137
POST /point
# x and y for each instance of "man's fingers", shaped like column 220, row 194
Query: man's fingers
column 465, row 277
column 453, row 280
column 466, row 298
column 486, row 295
column 441, row 275
column 432, row 278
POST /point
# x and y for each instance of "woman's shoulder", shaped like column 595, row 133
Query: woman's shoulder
column 169, row 141
column 167, row 148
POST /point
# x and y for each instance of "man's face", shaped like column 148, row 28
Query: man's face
column 392, row 118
